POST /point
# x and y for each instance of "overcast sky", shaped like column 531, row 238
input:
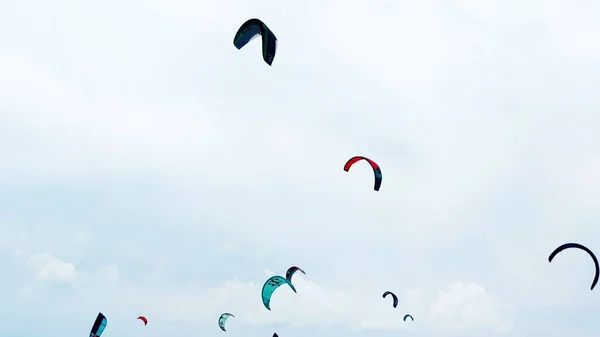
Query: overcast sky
column 149, row 167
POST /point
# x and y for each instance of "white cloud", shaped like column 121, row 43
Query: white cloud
column 462, row 306
column 50, row 268
column 466, row 305
column 313, row 305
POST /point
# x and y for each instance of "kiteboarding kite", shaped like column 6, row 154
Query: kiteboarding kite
column 99, row 325
column 143, row 319
column 576, row 245
column 393, row 296
column 275, row 335
column 253, row 28
column 290, row 272
column 376, row 169
column 407, row 315
column 223, row 318
column 270, row 286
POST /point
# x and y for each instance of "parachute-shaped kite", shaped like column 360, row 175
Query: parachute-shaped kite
column 99, row 325
column 275, row 335
column 407, row 316
column 270, row 286
column 290, row 272
column 143, row 319
column 251, row 29
column 576, row 245
column 393, row 296
column 222, row 319
column 376, row 169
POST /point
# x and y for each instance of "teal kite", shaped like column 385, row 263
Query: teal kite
column 270, row 286
column 222, row 319
column 99, row 325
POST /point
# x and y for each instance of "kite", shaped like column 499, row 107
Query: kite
column 395, row 304
column 291, row 271
column 98, row 326
column 222, row 319
column 253, row 28
column 578, row 246
column 270, row 286
column 376, row 169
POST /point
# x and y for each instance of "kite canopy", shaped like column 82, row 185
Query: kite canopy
column 291, row 271
column 143, row 319
column 99, row 325
column 585, row 249
column 223, row 318
column 270, row 286
column 250, row 30
column 376, row 169
column 395, row 303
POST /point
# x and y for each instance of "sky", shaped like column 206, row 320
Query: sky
column 151, row 168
